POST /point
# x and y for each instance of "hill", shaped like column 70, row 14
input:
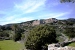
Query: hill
column 21, row 29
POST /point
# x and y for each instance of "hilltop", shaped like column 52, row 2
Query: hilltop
column 64, row 29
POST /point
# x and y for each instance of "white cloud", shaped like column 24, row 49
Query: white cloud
column 52, row 3
column 30, row 6
column 3, row 12
column 61, row 14
column 54, row 15
column 10, row 18
column 14, row 19
column 23, row 19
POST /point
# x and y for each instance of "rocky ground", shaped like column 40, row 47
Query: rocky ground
column 62, row 48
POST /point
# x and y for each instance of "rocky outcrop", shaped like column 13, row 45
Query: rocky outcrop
column 50, row 20
column 54, row 47
column 36, row 22
column 44, row 21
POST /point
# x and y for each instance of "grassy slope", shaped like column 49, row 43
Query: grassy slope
column 10, row 45
column 72, row 44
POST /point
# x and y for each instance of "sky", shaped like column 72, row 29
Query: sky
column 17, row 11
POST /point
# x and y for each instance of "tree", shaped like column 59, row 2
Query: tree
column 70, row 32
column 70, row 21
column 67, row 1
column 40, row 37
column 4, row 34
column 17, row 35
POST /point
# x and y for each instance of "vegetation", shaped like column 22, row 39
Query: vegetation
column 10, row 45
column 17, row 32
column 40, row 36
column 72, row 44
column 4, row 34
column 67, row 1
column 70, row 32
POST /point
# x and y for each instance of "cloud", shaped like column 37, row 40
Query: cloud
column 52, row 3
column 10, row 18
column 17, row 19
column 26, row 10
column 61, row 14
column 13, row 19
column 24, row 19
column 2, row 12
column 54, row 15
column 30, row 6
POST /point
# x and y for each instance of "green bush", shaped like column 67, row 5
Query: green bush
column 40, row 36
